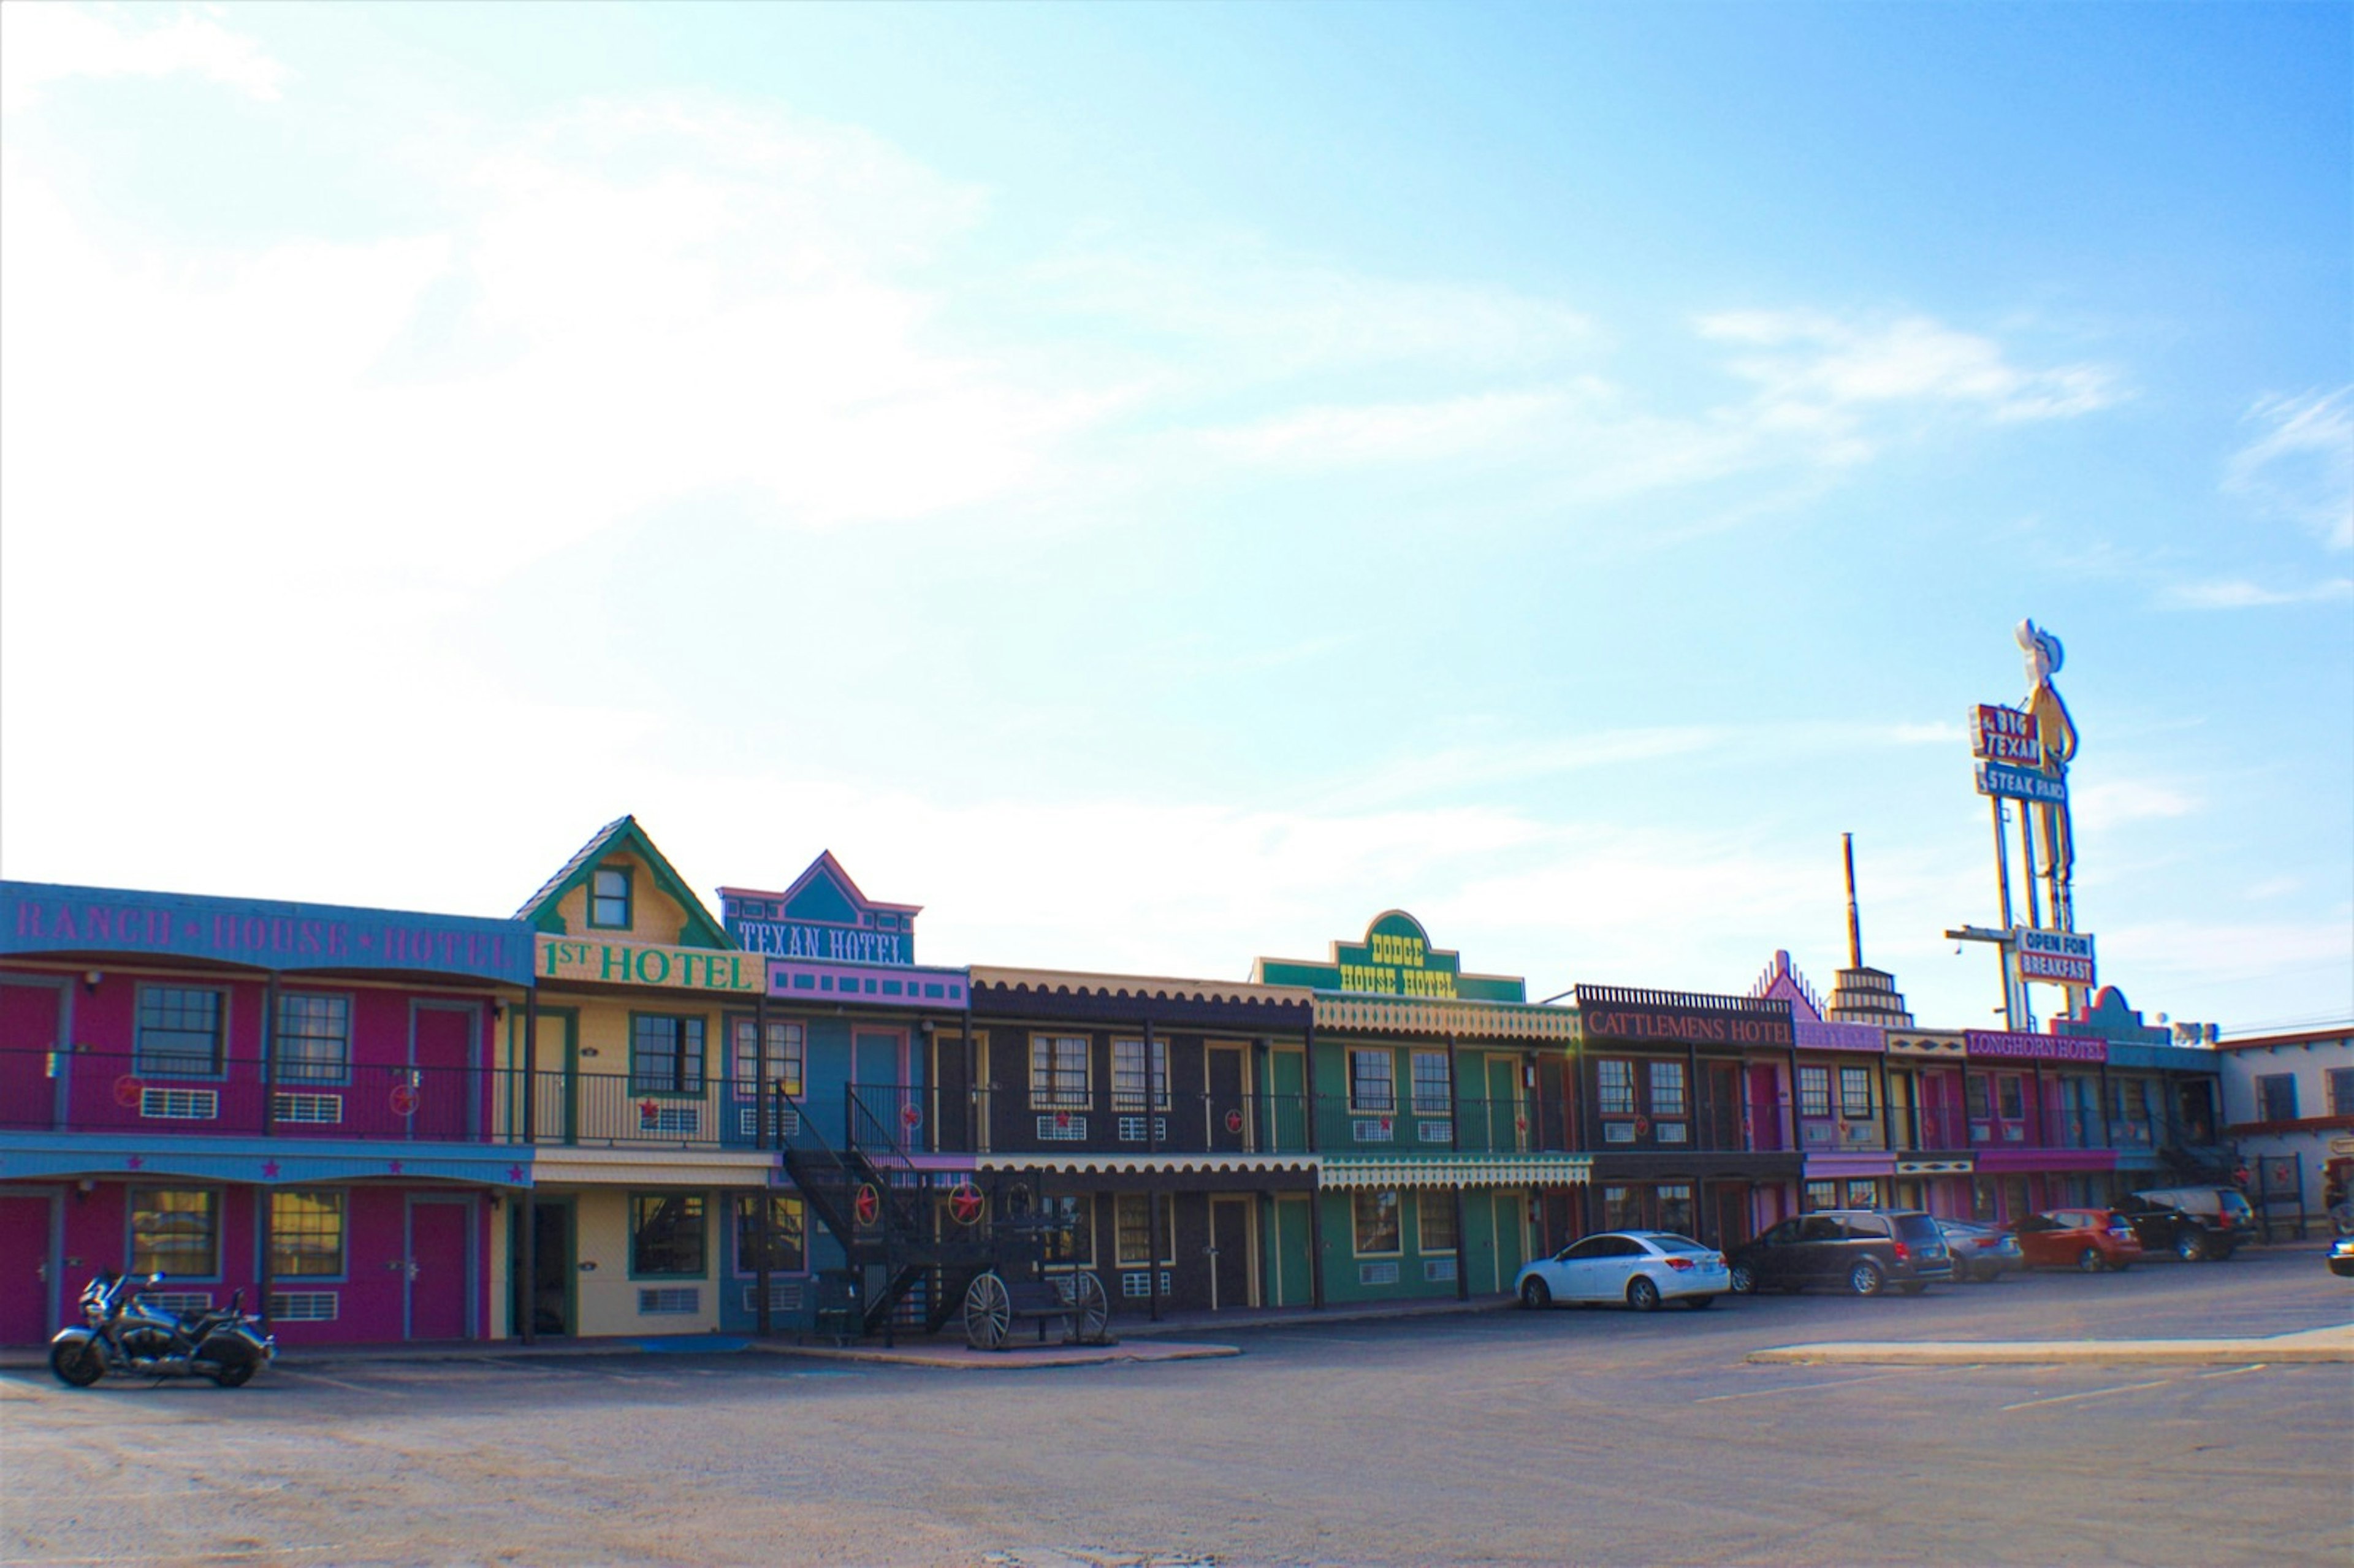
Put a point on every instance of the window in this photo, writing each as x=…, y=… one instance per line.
x=1058, y=1072
x=1433, y=1092
x=2133, y=1099
x=2276, y=1097
x=782, y=1069
x=1974, y=1096
x=1676, y=1210
x=1070, y=1228
x=2010, y=1095
x=665, y=1055
x=1128, y=1074
x=179, y=1032
x=1622, y=1209
x=1667, y=1088
x=1863, y=1194
x=2341, y=1091
x=609, y=899
x=1822, y=1195
x=1814, y=1091
x=1372, y=1081
x=1615, y=1086
x=175, y=1231
x=666, y=1233
x=1855, y=1093
x=1374, y=1217
x=1434, y=1219
x=1132, y=1217
x=315, y=1039
x=786, y=1251
x=306, y=1233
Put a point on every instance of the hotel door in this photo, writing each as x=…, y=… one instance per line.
x=1228, y=1080
x=28, y=1271
x=439, y=1267
x=30, y=1016
x=549, y=1292
x=1233, y=1274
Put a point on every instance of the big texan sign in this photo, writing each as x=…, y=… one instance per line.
x=1395, y=959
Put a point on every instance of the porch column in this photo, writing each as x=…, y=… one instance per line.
x=525, y=1290
x=761, y=1110
x=269, y=1124
x=764, y=1232
x=1151, y=1197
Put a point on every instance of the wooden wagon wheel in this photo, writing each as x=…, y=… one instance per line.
x=1090, y=1311
x=988, y=1312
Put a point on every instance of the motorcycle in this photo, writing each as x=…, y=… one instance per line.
x=120, y=1333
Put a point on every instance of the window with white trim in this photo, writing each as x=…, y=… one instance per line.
x=1814, y=1091
x=782, y=1069
x=1855, y=1093
x=1666, y=1089
x=1059, y=1078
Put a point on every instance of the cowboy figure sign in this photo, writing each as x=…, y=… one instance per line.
x=2047, y=824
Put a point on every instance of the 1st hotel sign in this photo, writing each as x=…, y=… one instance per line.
x=636, y=963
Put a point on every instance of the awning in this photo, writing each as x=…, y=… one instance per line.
x=1434, y=1018
x=1344, y=1173
x=274, y=1163
x=1172, y=1164
x=644, y=1168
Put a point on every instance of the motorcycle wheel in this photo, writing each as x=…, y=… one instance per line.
x=78, y=1364
x=236, y=1376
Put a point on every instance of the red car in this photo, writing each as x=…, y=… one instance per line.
x=2089, y=1239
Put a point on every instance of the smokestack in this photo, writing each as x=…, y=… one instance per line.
x=1854, y=923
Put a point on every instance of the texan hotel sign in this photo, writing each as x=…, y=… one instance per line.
x=1674, y=1017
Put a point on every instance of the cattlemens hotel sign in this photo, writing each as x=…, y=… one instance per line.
x=1615, y=1013
x=1395, y=959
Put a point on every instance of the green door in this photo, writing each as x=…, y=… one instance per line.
x=1479, y=1242
x=1503, y=1104
x=1511, y=1209
x=1288, y=1115
x=1295, y=1284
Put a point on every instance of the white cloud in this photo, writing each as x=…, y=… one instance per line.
x=40, y=44
x=2300, y=464
x=2238, y=593
x=2115, y=802
x=1818, y=367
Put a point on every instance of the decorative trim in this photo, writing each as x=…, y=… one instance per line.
x=1347, y=1173
x=1962, y=1167
x=1433, y=1018
x=1172, y=1164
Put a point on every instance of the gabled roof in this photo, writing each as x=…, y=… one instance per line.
x=825, y=865
x=623, y=833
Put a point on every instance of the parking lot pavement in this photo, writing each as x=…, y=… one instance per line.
x=1565, y=1436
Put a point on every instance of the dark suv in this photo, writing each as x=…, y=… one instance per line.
x=2160, y=1227
x=1859, y=1250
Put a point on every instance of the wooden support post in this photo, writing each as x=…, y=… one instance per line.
x=1151, y=1196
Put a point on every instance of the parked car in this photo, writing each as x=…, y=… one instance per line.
x=2089, y=1239
x=2220, y=1208
x=1861, y=1250
x=1979, y=1251
x=1642, y=1268
x=2162, y=1228
x=2341, y=1258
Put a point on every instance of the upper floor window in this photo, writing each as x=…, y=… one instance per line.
x=2276, y=1097
x=306, y=1232
x=1372, y=1081
x=665, y=1055
x=1129, y=1074
x=1667, y=1088
x=2341, y=1091
x=179, y=1032
x=782, y=1066
x=1433, y=1092
x=1058, y=1072
x=609, y=899
x=2010, y=1096
x=1814, y=1091
x=1855, y=1093
x=1976, y=1097
x=315, y=1039
x=1614, y=1080
x=175, y=1231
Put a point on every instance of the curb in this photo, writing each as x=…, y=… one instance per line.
x=2312, y=1346
x=957, y=1358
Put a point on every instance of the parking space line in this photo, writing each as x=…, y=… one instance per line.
x=337, y=1382
x=1807, y=1387
x=2234, y=1372
x=2090, y=1394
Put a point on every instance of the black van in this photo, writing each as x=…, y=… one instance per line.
x=1863, y=1251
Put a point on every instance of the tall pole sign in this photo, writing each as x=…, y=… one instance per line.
x=2023, y=753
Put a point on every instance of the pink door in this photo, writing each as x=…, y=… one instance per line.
x=28, y=1032
x=25, y=1283
x=437, y=1270
x=444, y=1038
x=1764, y=1108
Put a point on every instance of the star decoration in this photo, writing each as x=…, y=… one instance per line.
x=270, y=1170
x=396, y=1166
x=133, y=1163
x=514, y=1174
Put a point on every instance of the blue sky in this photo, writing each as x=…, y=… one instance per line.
x=1159, y=485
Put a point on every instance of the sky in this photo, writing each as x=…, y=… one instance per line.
x=1160, y=485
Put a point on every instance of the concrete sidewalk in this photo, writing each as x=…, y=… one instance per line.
x=2335, y=1344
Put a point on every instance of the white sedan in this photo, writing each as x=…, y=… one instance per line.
x=1642, y=1268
